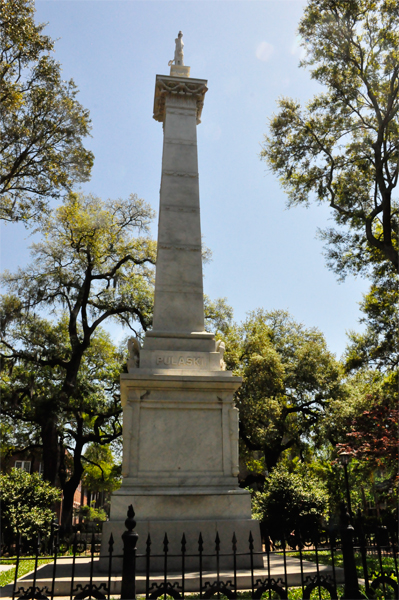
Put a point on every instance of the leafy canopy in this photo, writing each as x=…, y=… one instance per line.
x=343, y=147
x=101, y=471
x=60, y=370
x=291, y=501
x=39, y=414
x=367, y=427
x=26, y=504
x=42, y=125
x=89, y=264
x=378, y=345
x=289, y=377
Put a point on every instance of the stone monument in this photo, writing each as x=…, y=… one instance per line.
x=180, y=424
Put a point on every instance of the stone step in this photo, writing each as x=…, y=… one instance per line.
x=62, y=586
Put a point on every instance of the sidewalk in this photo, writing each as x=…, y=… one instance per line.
x=82, y=576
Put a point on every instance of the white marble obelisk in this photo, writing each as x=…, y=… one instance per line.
x=180, y=424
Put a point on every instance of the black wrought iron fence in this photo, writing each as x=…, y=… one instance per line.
x=344, y=562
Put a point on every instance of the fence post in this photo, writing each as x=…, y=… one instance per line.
x=351, y=586
x=363, y=548
x=129, y=537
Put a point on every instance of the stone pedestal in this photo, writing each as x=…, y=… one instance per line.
x=180, y=425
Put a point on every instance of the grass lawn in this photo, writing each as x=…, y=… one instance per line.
x=293, y=594
x=373, y=563
x=25, y=566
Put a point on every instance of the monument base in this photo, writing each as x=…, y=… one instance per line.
x=189, y=512
x=176, y=504
x=180, y=459
x=192, y=529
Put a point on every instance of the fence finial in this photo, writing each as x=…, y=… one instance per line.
x=130, y=522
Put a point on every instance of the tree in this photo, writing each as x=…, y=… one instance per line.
x=289, y=378
x=368, y=428
x=373, y=435
x=218, y=315
x=102, y=474
x=363, y=423
x=42, y=125
x=26, y=505
x=378, y=346
x=63, y=373
x=291, y=502
x=41, y=416
x=343, y=148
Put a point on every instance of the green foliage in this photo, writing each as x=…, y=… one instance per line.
x=41, y=122
x=92, y=515
x=363, y=424
x=374, y=563
x=378, y=346
x=31, y=392
x=27, y=504
x=101, y=472
x=289, y=501
x=343, y=148
x=218, y=315
x=25, y=567
x=61, y=371
x=289, y=377
x=93, y=261
x=371, y=434
x=40, y=414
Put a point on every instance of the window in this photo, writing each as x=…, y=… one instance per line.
x=23, y=464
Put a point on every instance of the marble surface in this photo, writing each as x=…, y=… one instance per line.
x=180, y=423
x=178, y=285
x=179, y=429
x=191, y=529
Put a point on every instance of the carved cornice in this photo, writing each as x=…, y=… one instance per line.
x=178, y=87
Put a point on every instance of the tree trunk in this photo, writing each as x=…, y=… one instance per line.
x=49, y=435
x=271, y=456
x=69, y=488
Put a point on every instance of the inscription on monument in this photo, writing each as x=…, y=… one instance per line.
x=180, y=361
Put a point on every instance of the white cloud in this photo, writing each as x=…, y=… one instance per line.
x=264, y=51
x=297, y=49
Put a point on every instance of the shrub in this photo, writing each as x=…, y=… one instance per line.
x=26, y=505
x=91, y=514
x=290, y=502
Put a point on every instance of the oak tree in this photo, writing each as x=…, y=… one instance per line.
x=343, y=147
x=60, y=370
x=377, y=347
x=289, y=378
x=42, y=125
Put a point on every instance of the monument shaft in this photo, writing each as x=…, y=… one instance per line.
x=179, y=266
x=180, y=424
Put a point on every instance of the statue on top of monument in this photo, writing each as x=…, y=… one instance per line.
x=179, y=54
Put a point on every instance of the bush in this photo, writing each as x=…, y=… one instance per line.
x=290, y=502
x=26, y=505
x=92, y=515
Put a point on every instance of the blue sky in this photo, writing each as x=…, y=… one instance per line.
x=263, y=254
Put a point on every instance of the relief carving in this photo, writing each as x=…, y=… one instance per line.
x=168, y=87
x=134, y=354
x=221, y=347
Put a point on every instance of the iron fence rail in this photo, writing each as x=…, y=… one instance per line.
x=286, y=568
